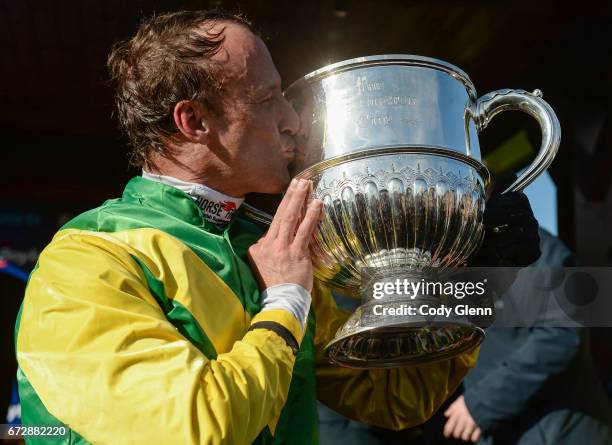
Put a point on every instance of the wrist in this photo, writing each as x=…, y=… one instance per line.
x=291, y=297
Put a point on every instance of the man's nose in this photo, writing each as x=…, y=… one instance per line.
x=290, y=121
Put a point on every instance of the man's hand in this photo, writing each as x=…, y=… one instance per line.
x=282, y=254
x=460, y=423
x=511, y=231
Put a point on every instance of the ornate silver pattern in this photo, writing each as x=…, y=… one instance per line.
x=397, y=211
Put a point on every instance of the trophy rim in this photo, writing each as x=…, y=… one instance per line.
x=384, y=60
x=321, y=166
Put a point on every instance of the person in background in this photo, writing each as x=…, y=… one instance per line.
x=533, y=385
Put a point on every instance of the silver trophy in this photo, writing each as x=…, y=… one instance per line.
x=391, y=145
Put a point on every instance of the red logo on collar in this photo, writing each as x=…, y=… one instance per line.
x=228, y=206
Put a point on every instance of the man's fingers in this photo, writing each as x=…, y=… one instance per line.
x=476, y=435
x=467, y=432
x=275, y=225
x=290, y=216
x=450, y=426
x=459, y=427
x=309, y=224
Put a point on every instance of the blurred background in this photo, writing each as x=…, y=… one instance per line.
x=62, y=153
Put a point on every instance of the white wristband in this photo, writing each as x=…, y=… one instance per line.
x=288, y=296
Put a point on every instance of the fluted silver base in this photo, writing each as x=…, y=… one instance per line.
x=370, y=342
x=384, y=333
x=403, y=345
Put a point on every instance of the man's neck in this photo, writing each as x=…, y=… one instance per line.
x=210, y=171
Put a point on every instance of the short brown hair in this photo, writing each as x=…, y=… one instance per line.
x=168, y=60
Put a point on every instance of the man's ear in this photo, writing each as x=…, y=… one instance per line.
x=189, y=119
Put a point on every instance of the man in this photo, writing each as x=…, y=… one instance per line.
x=144, y=323
x=533, y=385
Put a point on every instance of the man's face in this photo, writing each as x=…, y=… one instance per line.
x=256, y=126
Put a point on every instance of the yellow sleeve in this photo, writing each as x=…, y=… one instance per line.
x=103, y=359
x=395, y=398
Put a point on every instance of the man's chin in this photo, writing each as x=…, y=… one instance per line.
x=273, y=186
x=280, y=188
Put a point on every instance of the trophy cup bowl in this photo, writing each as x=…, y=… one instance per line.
x=391, y=145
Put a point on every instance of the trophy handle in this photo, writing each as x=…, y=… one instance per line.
x=489, y=105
